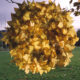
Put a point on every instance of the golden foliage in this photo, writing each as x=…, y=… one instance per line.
x=40, y=37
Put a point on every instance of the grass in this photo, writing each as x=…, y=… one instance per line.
x=9, y=71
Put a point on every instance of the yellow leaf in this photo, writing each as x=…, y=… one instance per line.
x=61, y=44
x=26, y=16
x=31, y=49
x=27, y=69
x=60, y=25
x=26, y=57
x=64, y=31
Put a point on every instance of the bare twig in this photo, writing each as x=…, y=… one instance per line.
x=77, y=4
x=27, y=0
x=33, y=0
x=71, y=1
x=11, y=1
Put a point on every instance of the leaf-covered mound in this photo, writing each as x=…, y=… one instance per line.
x=40, y=37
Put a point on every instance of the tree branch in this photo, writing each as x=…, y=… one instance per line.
x=11, y=1
x=77, y=4
x=71, y=1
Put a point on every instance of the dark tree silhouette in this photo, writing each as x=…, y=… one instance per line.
x=78, y=34
x=2, y=43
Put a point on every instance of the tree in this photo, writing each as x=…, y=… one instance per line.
x=40, y=36
x=78, y=34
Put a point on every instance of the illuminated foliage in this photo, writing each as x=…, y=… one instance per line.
x=40, y=37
